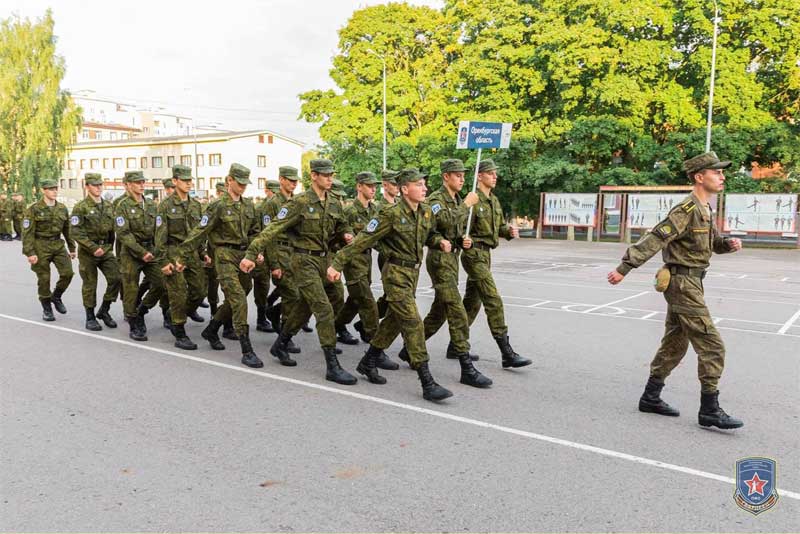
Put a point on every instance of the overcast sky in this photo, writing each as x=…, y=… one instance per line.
x=254, y=55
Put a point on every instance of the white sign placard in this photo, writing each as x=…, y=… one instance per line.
x=760, y=213
x=647, y=210
x=570, y=209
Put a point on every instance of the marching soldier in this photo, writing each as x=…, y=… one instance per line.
x=18, y=213
x=135, y=219
x=261, y=274
x=6, y=217
x=169, y=186
x=93, y=230
x=229, y=225
x=312, y=219
x=686, y=239
x=212, y=293
x=488, y=226
x=43, y=226
x=389, y=193
x=404, y=229
x=177, y=215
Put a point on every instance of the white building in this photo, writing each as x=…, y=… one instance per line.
x=107, y=120
x=210, y=155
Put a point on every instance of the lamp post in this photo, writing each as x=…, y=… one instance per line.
x=383, y=60
x=713, y=73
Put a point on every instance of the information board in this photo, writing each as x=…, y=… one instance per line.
x=570, y=209
x=760, y=213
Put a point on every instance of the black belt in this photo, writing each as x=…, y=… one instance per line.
x=318, y=253
x=233, y=247
x=283, y=243
x=688, y=271
x=403, y=263
x=481, y=246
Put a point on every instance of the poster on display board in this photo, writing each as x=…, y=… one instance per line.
x=774, y=213
x=570, y=209
x=647, y=210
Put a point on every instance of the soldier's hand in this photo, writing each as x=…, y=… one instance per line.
x=148, y=257
x=207, y=260
x=467, y=243
x=260, y=259
x=614, y=277
x=348, y=238
x=246, y=265
x=72, y=255
x=33, y=260
x=514, y=232
x=277, y=273
x=735, y=244
x=168, y=269
x=180, y=267
x=445, y=245
x=99, y=252
x=471, y=199
x=333, y=274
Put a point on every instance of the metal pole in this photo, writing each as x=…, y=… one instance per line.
x=384, y=112
x=713, y=73
x=474, y=186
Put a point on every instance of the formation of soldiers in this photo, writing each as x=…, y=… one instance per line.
x=178, y=253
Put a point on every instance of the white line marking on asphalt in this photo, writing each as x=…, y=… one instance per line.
x=427, y=411
x=542, y=303
x=789, y=323
x=542, y=269
x=615, y=302
x=649, y=315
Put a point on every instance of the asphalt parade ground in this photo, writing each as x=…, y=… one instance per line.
x=100, y=433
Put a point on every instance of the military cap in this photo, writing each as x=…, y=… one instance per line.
x=452, y=165
x=388, y=175
x=221, y=187
x=366, y=177
x=240, y=173
x=288, y=172
x=337, y=188
x=182, y=172
x=273, y=186
x=48, y=183
x=709, y=160
x=410, y=175
x=92, y=178
x=133, y=176
x=168, y=182
x=487, y=165
x=322, y=166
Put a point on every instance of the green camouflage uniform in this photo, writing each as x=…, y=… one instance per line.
x=93, y=228
x=42, y=229
x=187, y=289
x=6, y=216
x=261, y=273
x=310, y=224
x=18, y=212
x=212, y=292
x=687, y=237
x=280, y=258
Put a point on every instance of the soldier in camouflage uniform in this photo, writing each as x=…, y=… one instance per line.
x=93, y=230
x=312, y=219
x=178, y=214
x=43, y=226
x=404, y=230
x=6, y=217
x=261, y=274
x=389, y=193
x=488, y=226
x=212, y=292
x=335, y=289
x=18, y=212
x=229, y=225
x=169, y=186
x=135, y=220
x=686, y=239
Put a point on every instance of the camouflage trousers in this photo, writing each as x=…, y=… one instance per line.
x=52, y=252
x=212, y=291
x=287, y=288
x=383, y=306
x=261, y=278
x=88, y=265
x=235, y=284
x=688, y=321
x=130, y=269
x=402, y=316
x=18, y=226
x=481, y=290
x=361, y=301
x=6, y=224
x=313, y=288
x=447, y=304
x=187, y=289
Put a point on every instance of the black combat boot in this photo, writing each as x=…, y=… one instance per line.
x=211, y=334
x=453, y=355
x=307, y=328
x=91, y=321
x=279, y=350
x=290, y=347
x=367, y=366
x=386, y=363
x=182, y=341
x=136, y=332
x=103, y=315
x=58, y=304
x=712, y=415
x=510, y=358
x=262, y=323
x=194, y=316
x=344, y=336
x=403, y=355
x=273, y=315
x=167, y=319
x=141, y=311
x=249, y=357
x=334, y=372
x=228, y=331
x=430, y=389
x=471, y=376
x=359, y=326
x=650, y=401
x=47, y=310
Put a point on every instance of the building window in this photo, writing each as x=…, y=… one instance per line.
x=186, y=160
x=212, y=182
x=170, y=161
x=201, y=160
x=261, y=139
x=215, y=160
x=262, y=183
x=117, y=163
x=201, y=184
x=71, y=165
x=63, y=183
x=94, y=163
x=73, y=183
x=83, y=164
x=143, y=163
x=123, y=136
x=262, y=161
x=105, y=163
x=146, y=129
x=113, y=136
x=157, y=162
x=269, y=139
x=130, y=163
x=84, y=135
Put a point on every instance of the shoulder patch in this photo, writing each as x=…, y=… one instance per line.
x=120, y=221
x=266, y=220
x=664, y=230
x=74, y=220
x=204, y=221
x=158, y=221
x=26, y=223
x=282, y=214
x=373, y=224
x=435, y=208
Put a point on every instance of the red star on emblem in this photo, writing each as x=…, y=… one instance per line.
x=755, y=485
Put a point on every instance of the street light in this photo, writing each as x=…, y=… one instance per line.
x=713, y=73
x=383, y=59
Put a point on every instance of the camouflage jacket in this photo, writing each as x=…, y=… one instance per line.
x=43, y=222
x=174, y=220
x=449, y=215
x=358, y=216
x=488, y=224
x=136, y=225
x=226, y=223
x=93, y=225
